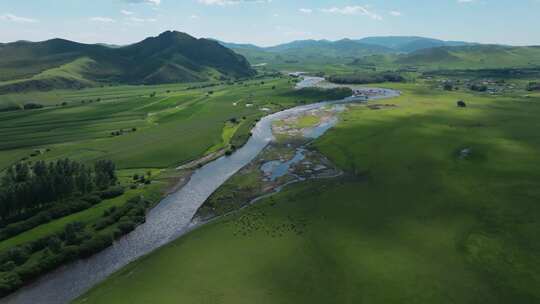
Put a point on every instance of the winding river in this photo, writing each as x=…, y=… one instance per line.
x=170, y=219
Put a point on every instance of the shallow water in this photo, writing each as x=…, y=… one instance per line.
x=276, y=169
x=170, y=219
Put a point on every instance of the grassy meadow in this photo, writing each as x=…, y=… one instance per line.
x=146, y=131
x=414, y=220
x=161, y=126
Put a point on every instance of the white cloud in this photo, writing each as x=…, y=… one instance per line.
x=306, y=10
x=466, y=1
x=395, y=13
x=127, y=13
x=140, y=20
x=17, y=19
x=102, y=19
x=230, y=2
x=352, y=10
x=152, y=2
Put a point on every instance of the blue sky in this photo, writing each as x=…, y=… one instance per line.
x=269, y=22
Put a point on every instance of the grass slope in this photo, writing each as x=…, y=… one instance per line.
x=168, y=58
x=412, y=222
x=473, y=57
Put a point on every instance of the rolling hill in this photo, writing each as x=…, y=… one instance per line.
x=168, y=58
x=391, y=53
x=324, y=49
x=409, y=44
x=472, y=57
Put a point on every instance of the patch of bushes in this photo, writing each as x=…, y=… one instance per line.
x=112, y=192
x=32, y=106
x=58, y=210
x=366, y=78
x=533, y=86
x=74, y=242
x=479, y=87
x=318, y=94
x=130, y=214
x=11, y=108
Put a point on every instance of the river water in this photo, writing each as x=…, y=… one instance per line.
x=170, y=219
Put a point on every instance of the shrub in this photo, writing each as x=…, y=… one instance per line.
x=7, y=266
x=112, y=192
x=21, y=226
x=103, y=223
x=18, y=255
x=95, y=244
x=9, y=282
x=10, y=108
x=92, y=199
x=533, y=86
x=31, y=106
x=126, y=226
x=366, y=78
x=448, y=86
x=479, y=88
x=73, y=233
x=54, y=244
x=29, y=271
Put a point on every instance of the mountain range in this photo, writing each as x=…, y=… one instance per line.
x=364, y=46
x=167, y=58
x=391, y=52
x=174, y=57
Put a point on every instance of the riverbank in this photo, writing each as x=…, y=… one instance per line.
x=168, y=220
x=288, y=159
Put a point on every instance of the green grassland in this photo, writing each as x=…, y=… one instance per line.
x=431, y=59
x=147, y=131
x=412, y=221
x=174, y=126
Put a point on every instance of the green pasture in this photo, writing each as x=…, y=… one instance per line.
x=414, y=220
x=166, y=129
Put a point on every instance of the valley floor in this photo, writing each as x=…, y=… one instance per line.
x=147, y=132
x=414, y=219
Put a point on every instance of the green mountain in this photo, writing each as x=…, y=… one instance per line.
x=307, y=52
x=391, y=53
x=409, y=44
x=326, y=51
x=168, y=58
x=325, y=48
x=472, y=57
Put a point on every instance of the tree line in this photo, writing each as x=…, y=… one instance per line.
x=366, y=78
x=25, y=188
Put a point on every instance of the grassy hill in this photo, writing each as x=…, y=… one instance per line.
x=409, y=44
x=171, y=57
x=471, y=57
x=388, y=53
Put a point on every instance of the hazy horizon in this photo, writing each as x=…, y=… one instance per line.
x=271, y=22
x=257, y=45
